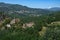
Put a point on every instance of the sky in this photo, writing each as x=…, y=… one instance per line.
x=35, y=3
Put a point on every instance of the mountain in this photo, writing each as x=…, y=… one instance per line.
x=55, y=9
x=15, y=8
x=20, y=10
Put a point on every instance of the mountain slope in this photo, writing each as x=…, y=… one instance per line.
x=11, y=8
x=55, y=9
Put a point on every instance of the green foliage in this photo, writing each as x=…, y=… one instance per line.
x=16, y=32
x=25, y=34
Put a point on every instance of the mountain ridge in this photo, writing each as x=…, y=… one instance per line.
x=55, y=8
x=20, y=9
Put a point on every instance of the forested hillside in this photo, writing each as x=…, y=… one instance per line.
x=19, y=22
x=45, y=27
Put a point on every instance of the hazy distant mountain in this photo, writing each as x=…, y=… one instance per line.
x=55, y=9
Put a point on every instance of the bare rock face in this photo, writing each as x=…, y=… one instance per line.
x=8, y=25
x=12, y=22
x=16, y=20
x=30, y=24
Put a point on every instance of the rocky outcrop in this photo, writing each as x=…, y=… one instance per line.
x=16, y=20
x=30, y=24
